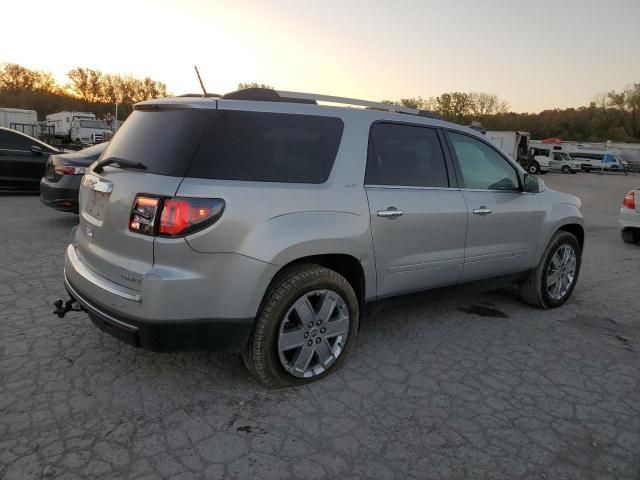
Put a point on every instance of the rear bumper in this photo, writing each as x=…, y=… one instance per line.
x=61, y=195
x=210, y=334
x=629, y=218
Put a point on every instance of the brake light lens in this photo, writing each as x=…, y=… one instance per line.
x=68, y=170
x=629, y=201
x=172, y=217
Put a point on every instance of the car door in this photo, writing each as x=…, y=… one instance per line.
x=21, y=166
x=418, y=216
x=504, y=223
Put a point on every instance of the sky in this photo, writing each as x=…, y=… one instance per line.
x=533, y=54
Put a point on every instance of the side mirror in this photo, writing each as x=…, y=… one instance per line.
x=36, y=149
x=533, y=184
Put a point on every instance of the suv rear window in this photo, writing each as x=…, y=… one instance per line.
x=163, y=140
x=267, y=147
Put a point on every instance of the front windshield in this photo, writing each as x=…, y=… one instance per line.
x=93, y=124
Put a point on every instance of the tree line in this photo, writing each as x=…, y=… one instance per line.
x=87, y=89
x=611, y=116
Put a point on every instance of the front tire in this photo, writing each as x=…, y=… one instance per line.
x=566, y=169
x=306, y=326
x=551, y=283
x=533, y=168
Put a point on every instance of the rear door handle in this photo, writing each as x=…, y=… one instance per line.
x=390, y=212
x=482, y=211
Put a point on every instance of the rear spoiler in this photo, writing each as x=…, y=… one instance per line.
x=177, y=103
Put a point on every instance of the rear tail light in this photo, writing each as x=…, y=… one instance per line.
x=173, y=217
x=68, y=170
x=629, y=201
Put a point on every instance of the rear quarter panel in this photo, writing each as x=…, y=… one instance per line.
x=279, y=223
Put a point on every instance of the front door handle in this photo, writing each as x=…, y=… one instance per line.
x=482, y=211
x=390, y=212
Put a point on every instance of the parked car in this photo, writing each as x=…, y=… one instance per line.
x=599, y=160
x=61, y=182
x=264, y=223
x=630, y=217
x=558, y=162
x=22, y=160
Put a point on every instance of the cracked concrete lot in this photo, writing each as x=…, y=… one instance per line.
x=469, y=386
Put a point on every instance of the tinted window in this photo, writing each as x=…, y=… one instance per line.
x=14, y=141
x=268, y=147
x=405, y=155
x=163, y=140
x=539, y=151
x=586, y=156
x=482, y=167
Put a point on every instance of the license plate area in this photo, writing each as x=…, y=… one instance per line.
x=97, y=204
x=97, y=199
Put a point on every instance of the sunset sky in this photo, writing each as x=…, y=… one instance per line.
x=533, y=54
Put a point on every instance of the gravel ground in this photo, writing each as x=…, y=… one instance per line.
x=472, y=386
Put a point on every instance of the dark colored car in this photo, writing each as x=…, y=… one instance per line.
x=61, y=182
x=22, y=160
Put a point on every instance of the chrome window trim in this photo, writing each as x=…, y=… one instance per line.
x=410, y=187
x=487, y=190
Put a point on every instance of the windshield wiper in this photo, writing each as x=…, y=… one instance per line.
x=120, y=162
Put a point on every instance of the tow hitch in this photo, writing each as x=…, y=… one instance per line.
x=63, y=307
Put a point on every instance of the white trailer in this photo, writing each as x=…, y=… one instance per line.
x=17, y=116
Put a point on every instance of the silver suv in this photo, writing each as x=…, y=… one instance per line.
x=264, y=223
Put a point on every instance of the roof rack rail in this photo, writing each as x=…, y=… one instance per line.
x=269, y=95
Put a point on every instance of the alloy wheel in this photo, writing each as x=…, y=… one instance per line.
x=313, y=333
x=561, y=272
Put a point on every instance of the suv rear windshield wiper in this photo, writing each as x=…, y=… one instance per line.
x=120, y=162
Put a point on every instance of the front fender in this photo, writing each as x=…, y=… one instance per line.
x=558, y=216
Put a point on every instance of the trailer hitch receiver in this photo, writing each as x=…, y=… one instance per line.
x=63, y=307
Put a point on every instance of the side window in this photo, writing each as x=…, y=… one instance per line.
x=4, y=140
x=405, y=155
x=14, y=141
x=266, y=147
x=481, y=166
x=557, y=156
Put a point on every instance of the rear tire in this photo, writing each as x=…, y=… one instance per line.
x=539, y=289
x=533, y=168
x=263, y=355
x=630, y=235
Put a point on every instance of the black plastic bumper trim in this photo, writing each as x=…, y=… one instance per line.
x=209, y=334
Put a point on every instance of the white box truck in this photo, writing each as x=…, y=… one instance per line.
x=516, y=145
x=81, y=128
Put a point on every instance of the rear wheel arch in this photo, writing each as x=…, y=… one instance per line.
x=346, y=265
